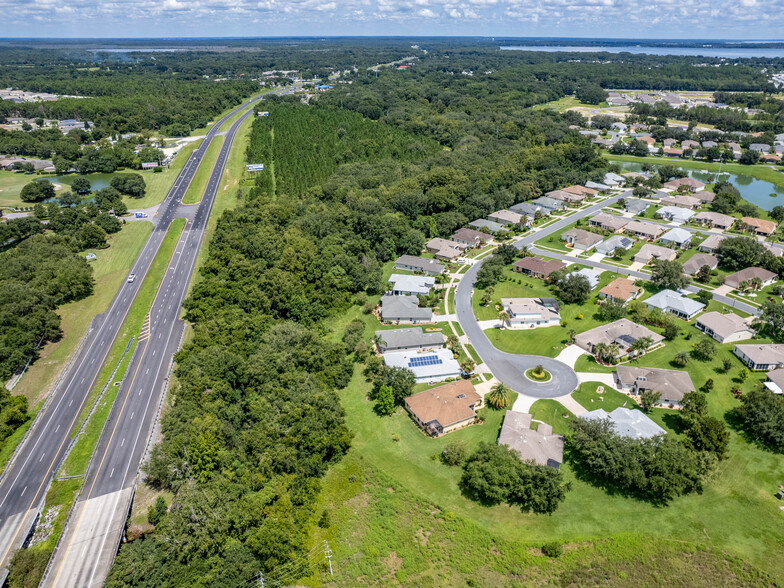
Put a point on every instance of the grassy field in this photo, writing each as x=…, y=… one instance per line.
x=202, y=175
x=11, y=183
x=109, y=269
x=587, y=396
x=564, y=104
x=759, y=171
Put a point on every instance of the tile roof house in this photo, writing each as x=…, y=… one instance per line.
x=692, y=184
x=404, y=309
x=622, y=332
x=505, y=217
x=427, y=366
x=580, y=239
x=704, y=196
x=675, y=214
x=675, y=303
x=760, y=226
x=636, y=205
x=672, y=152
x=470, y=238
x=644, y=230
x=581, y=191
x=692, y=265
x=564, y=196
x=608, y=246
x=711, y=244
x=682, y=200
x=716, y=220
x=536, y=267
x=540, y=446
x=408, y=339
x=649, y=140
x=689, y=144
x=631, y=423
x=748, y=274
x=445, y=408
x=775, y=381
x=725, y=327
x=763, y=357
x=491, y=226
x=437, y=244
x=531, y=313
x=419, y=264
x=620, y=289
x=672, y=385
x=608, y=222
x=676, y=237
x=406, y=285
x=649, y=252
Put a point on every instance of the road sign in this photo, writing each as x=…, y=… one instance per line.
x=255, y=167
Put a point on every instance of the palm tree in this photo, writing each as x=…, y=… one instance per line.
x=613, y=350
x=451, y=341
x=599, y=350
x=503, y=316
x=499, y=396
x=756, y=283
x=467, y=365
x=681, y=358
x=641, y=345
x=572, y=335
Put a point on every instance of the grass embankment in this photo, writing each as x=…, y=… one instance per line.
x=591, y=521
x=63, y=492
x=202, y=176
x=760, y=171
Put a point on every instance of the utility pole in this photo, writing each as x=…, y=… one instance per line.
x=328, y=555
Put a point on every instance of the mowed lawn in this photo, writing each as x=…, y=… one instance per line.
x=109, y=270
x=737, y=511
x=11, y=184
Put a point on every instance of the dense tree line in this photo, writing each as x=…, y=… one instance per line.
x=762, y=415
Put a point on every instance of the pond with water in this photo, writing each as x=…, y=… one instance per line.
x=97, y=181
x=759, y=192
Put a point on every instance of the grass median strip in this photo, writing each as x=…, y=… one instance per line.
x=202, y=175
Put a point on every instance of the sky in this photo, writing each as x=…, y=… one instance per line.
x=660, y=19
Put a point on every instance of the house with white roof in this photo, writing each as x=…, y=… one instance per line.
x=676, y=238
x=675, y=303
x=428, y=366
x=608, y=246
x=531, y=313
x=407, y=285
x=675, y=214
x=631, y=423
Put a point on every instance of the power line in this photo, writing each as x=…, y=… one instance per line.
x=295, y=569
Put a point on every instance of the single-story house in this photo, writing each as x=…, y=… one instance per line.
x=582, y=191
x=748, y=274
x=590, y=274
x=692, y=265
x=676, y=237
x=689, y=144
x=669, y=142
x=564, y=196
x=427, y=366
x=672, y=152
x=531, y=313
x=445, y=408
x=491, y=226
x=410, y=339
x=649, y=252
x=580, y=239
x=536, y=267
x=622, y=332
x=404, y=309
x=716, y=220
x=644, y=230
x=769, y=356
x=709, y=144
x=407, y=285
x=549, y=204
x=692, y=184
x=672, y=385
x=438, y=244
x=626, y=422
x=711, y=244
x=528, y=209
x=608, y=222
x=613, y=180
x=636, y=205
x=620, y=289
x=775, y=381
x=506, y=217
x=760, y=226
x=725, y=327
x=675, y=214
x=608, y=246
x=675, y=303
x=683, y=201
x=774, y=248
x=704, y=196
x=419, y=264
x=770, y=158
x=470, y=237
x=760, y=147
x=647, y=139
x=540, y=446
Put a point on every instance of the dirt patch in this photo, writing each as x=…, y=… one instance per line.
x=136, y=531
x=393, y=562
x=422, y=536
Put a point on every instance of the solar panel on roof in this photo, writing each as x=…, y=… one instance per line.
x=423, y=360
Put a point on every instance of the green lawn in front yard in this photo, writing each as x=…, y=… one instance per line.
x=587, y=396
x=512, y=285
x=553, y=413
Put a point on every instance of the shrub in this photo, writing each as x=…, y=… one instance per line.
x=552, y=549
x=454, y=453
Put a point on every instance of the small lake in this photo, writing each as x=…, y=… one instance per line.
x=707, y=51
x=758, y=192
x=97, y=181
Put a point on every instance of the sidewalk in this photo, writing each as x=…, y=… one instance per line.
x=570, y=355
x=606, y=379
x=571, y=405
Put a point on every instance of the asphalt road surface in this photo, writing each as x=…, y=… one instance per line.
x=26, y=480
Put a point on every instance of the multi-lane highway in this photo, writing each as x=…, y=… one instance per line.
x=26, y=479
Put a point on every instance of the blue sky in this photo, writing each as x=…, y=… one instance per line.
x=685, y=19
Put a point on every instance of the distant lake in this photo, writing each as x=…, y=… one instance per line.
x=758, y=192
x=97, y=181
x=727, y=52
